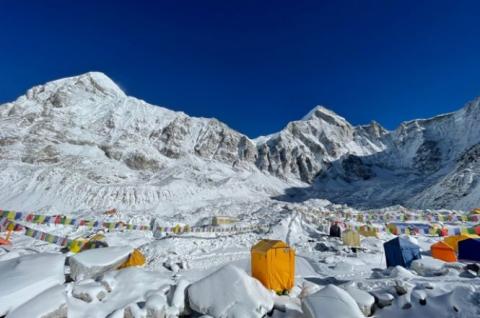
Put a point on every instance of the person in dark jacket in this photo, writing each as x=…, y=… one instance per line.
x=335, y=230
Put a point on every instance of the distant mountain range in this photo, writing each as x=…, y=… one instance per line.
x=81, y=143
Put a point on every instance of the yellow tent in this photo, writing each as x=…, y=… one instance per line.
x=454, y=239
x=368, y=231
x=273, y=264
x=135, y=259
x=97, y=237
x=219, y=220
x=351, y=238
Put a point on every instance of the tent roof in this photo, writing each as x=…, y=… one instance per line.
x=462, y=236
x=265, y=245
x=470, y=241
x=368, y=226
x=442, y=245
x=402, y=242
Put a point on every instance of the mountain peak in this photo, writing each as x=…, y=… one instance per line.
x=318, y=110
x=327, y=115
x=101, y=81
x=472, y=106
x=93, y=80
x=89, y=83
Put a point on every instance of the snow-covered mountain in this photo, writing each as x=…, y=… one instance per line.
x=432, y=163
x=81, y=143
x=427, y=163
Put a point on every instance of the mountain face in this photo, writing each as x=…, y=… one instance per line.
x=81, y=143
x=306, y=148
x=429, y=163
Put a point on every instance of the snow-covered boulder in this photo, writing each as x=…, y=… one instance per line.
x=25, y=277
x=50, y=303
x=428, y=266
x=461, y=301
x=383, y=299
x=156, y=305
x=125, y=288
x=89, y=290
x=309, y=288
x=419, y=295
x=287, y=306
x=400, y=272
x=178, y=298
x=344, y=267
x=230, y=292
x=331, y=301
x=403, y=287
x=94, y=262
x=363, y=299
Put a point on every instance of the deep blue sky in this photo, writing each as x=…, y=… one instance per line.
x=254, y=64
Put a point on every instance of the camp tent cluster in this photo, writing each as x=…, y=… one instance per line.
x=398, y=228
x=368, y=231
x=351, y=237
x=457, y=247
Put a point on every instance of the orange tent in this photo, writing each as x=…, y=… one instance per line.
x=4, y=241
x=273, y=264
x=443, y=251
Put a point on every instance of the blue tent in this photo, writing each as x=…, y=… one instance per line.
x=401, y=251
x=469, y=249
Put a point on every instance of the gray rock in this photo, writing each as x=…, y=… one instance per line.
x=363, y=299
x=382, y=299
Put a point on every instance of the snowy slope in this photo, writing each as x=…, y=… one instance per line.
x=429, y=163
x=81, y=144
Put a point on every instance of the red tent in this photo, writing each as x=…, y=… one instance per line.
x=444, y=232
